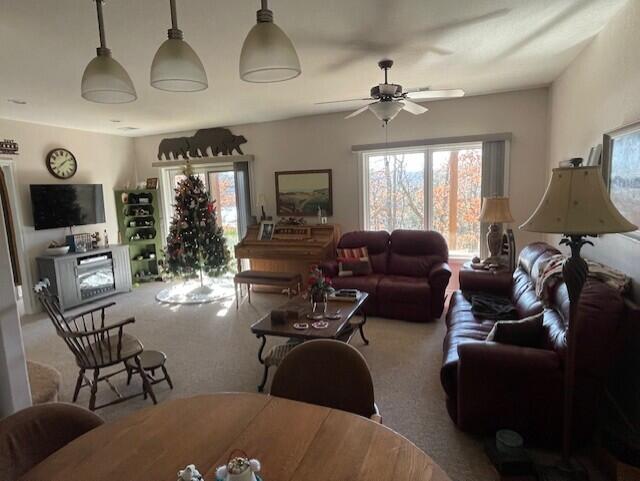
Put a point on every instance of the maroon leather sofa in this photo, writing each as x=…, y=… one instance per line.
x=410, y=273
x=490, y=386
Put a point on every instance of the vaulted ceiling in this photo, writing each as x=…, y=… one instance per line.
x=482, y=46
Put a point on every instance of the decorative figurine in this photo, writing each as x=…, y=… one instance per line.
x=190, y=473
x=239, y=468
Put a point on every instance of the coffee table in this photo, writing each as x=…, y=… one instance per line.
x=340, y=329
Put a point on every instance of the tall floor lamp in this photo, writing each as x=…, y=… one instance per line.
x=576, y=205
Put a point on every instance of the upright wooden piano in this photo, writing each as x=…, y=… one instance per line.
x=292, y=249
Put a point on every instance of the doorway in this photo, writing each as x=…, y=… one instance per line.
x=12, y=218
x=220, y=182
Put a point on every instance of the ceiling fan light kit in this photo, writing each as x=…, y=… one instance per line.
x=268, y=55
x=176, y=67
x=387, y=110
x=104, y=80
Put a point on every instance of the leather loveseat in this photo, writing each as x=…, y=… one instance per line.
x=490, y=386
x=409, y=273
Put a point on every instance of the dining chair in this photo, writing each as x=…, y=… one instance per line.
x=35, y=433
x=329, y=373
x=95, y=345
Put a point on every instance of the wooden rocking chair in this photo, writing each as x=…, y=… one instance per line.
x=95, y=346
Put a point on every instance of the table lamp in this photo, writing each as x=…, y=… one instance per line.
x=495, y=211
x=576, y=205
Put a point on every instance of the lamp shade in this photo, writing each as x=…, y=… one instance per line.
x=386, y=110
x=177, y=68
x=576, y=202
x=495, y=210
x=105, y=81
x=268, y=55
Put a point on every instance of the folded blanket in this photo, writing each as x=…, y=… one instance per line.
x=550, y=273
x=487, y=306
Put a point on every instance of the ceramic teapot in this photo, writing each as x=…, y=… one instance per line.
x=239, y=468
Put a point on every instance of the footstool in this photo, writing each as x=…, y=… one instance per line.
x=291, y=281
x=150, y=361
x=275, y=356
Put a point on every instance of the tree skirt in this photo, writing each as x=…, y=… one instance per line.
x=191, y=292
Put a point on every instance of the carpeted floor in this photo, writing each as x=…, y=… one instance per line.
x=210, y=349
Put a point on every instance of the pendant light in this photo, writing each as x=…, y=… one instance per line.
x=176, y=67
x=105, y=81
x=267, y=53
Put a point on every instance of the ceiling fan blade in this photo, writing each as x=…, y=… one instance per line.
x=419, y=94
x=340, y=101
x=358, y=112
x=415, y=109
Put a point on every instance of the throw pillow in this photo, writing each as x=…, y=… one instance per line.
x=525, y=332
x=354, y=262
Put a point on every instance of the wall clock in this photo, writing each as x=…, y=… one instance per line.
x=61, y=163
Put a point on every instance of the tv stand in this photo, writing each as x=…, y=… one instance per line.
x=81, y=277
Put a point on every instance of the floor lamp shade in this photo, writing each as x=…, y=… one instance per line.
x=268, y=55
x=105, y=81
x=177, y=68
x=576, y=202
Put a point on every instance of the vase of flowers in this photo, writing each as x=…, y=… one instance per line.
x=319, y=289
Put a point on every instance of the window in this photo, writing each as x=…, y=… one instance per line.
x=435, y=188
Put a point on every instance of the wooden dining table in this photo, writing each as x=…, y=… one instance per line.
x=293, y=441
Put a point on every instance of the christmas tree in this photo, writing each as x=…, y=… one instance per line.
x=195, y=244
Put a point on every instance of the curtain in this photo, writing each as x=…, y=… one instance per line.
x=493, y=173
x=243, y=197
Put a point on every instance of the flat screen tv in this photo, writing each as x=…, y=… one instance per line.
x=65, y=205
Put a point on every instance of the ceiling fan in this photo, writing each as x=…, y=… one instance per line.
x=390, y=99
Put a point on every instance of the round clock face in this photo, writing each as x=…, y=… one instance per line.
x=61, y=163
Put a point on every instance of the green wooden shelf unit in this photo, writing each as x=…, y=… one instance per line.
x=139, y=227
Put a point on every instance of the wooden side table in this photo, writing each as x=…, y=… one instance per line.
x=496, y=281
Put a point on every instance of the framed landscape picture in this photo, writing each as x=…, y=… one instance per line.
x=621, y=171
x=301, y=192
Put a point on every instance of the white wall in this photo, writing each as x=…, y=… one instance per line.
x=102, y=159
x=597, y=93
x=324, y=141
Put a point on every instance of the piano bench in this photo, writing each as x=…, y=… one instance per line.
x=287, y=280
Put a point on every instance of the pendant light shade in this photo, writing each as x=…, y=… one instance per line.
x=268, y=55
x=176, y=67
x=104, y=80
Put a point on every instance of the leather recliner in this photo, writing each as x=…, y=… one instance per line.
x=410, y=273
x=490, y=386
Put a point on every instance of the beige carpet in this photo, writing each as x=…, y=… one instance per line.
x=210, y=349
